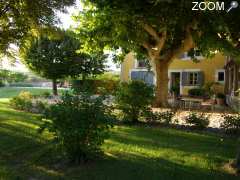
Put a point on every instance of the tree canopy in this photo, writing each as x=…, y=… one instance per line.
x=19, y=18
x=58, y=57
x=160, y=30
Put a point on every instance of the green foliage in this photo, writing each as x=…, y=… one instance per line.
x=80, y=124
x=165, y=117
x=46, y=94
x=139, y=25
x=2, y=83
x=56, y=58
x=199, y=121
x=231, y=124
x=95, y=86
x=21, y=84
x=133, y=99
x=220, y=96
x=12, y=77
x=23, y=101
x=20, y=19
x=198, y=92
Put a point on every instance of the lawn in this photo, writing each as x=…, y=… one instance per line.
x=130, y=153
x=8, y=92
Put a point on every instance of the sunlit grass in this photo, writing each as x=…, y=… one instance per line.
x=130, y=153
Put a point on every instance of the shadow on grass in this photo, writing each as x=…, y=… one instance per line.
x=188, y=142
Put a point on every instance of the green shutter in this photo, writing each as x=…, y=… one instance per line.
x=200, y=78
x=185, y=81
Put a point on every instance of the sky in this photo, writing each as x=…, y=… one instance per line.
x=66, y=22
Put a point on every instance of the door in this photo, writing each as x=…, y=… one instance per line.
x=175, y=83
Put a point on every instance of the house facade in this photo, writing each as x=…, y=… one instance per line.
x=183, y=73
x=232, y=83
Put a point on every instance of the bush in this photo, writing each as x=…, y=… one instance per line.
x=95, y=86
x=163, y=117
x=39, y=107
x=198, y=92
x=199, y=121
x=220, y=95
x=46, y=94
x=231, y=124
x=80, y=124
x=133, y=99
x=23, y=101
x=2, y=84
x=20, y=85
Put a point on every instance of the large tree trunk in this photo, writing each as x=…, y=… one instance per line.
x=54, y=87
x=162, y=83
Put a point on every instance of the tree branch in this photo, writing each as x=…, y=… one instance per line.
x=151, y=31
x=160, y=39
x=186, y=45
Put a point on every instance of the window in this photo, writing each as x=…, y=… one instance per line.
x=141, y=63
x=187, y=56
x=193, y=78
x=220, y=76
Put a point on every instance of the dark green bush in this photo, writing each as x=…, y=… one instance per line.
x=165, y=117
x=39, y=107
x=199, y=121
x=23, y=101
x=46, y=94
x=80, y=124
x=1, y=83
x=231, y=124
x=133, y=99
x=221, y=96
x=95, y=86
x=20, y=84
x=197, y=92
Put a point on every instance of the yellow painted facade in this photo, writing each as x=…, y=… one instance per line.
x=209, y=67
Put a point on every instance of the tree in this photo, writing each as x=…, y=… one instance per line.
x=57, y=57
x=160, y=30
x=20, y=18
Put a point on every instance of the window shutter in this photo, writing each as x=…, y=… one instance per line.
x=185, y=79
x=145, y=76
x=200, y=78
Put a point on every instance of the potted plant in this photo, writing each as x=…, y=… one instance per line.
x=220, y=98
x=174, y=91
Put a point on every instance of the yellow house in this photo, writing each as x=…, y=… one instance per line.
x=183, y=73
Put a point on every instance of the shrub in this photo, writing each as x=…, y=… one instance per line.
x=46, y=94
x=39, y=107
x=231, y=124
x=133, y=99
x=220, y=95
x=165, y=117
x=21, y=84
x=200, y=121
x=198, y=92
x=1, y=83
x=23, y=101
x=80, y=124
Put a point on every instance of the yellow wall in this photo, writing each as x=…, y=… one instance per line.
x=208, y=66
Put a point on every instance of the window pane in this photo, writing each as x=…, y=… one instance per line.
x=220, y=76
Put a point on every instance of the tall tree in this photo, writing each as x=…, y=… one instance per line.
x=19, y=18
x=160, y=30
x=57, y=57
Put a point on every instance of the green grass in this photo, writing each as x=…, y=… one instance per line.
x=145, y=153
x=9, y=92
